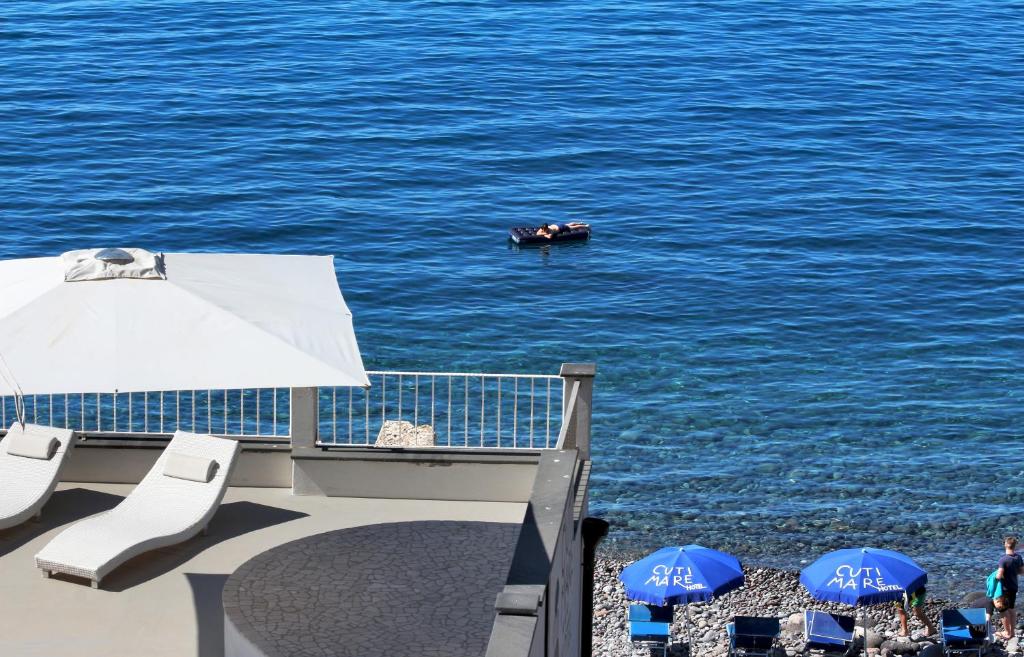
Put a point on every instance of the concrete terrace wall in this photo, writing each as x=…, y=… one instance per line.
x=127, y=462
x=539, y=613
x=414, y=474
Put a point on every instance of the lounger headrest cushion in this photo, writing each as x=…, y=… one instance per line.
x=32, y=445
x=192, y=468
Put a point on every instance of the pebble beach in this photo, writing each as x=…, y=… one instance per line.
x=767, y=592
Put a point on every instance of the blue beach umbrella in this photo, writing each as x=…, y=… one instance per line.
x=862, y=576
x=680, y=575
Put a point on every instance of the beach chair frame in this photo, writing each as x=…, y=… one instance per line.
x=827, y=642
x=28, y=483
x=160, y=511
x=753, y=636
x=651, y=626
x=957, y=629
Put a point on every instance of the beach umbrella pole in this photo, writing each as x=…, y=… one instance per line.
x=863, y=632
x=689, y=639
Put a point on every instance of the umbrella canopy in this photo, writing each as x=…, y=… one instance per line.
x=862, y=576
x=131, y=321
x=679, y=575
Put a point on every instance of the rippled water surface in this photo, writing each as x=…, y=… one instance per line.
x=804, y=289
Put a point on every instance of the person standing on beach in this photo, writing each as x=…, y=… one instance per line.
x=1010, y=565
x=913, y=603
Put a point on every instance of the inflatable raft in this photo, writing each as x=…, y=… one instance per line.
x=526, y=235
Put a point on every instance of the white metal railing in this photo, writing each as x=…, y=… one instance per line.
x=253, y=413
x=464, y=409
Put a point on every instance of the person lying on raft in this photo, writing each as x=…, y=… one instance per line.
x=550, y=230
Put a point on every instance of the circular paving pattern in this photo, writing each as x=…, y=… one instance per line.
x=412, y=588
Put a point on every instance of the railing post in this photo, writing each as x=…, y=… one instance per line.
x=583, y=373
x=304, y=416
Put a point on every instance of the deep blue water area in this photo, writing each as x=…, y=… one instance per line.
x=804, y=290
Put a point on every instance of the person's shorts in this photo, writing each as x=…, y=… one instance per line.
x=1011, y=598
x=909, y=602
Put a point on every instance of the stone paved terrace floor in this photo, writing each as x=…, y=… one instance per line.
x=168, y=602
x=423, y=588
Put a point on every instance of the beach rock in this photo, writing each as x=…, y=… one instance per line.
x=931, y=650
x=904, y=646
x=974, y=599
x=874, y=639
x=795, y=623
x=402, y=433
x=1013, y=645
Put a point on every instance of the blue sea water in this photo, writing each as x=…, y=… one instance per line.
x=804, y=289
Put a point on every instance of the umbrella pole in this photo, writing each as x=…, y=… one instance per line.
x=19, y=408
x=863, y=630
x=689, y=639
x=19, y=396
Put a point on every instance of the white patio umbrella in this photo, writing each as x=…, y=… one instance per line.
x=127, y=320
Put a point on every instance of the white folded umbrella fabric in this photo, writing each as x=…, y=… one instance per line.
x=103, y=264
x=134, y=321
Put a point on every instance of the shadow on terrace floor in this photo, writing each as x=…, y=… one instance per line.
x=207, y=590
x=63, y=507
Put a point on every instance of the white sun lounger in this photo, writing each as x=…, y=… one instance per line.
x=27, y=483
x=162, y=510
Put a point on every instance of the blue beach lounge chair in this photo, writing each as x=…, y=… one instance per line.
x=831, y=634
x=650, y=626
x=752, y=635
x=965, y=632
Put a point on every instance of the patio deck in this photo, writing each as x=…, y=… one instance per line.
x=168, y=602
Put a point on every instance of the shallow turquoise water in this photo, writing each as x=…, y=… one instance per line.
x=803, y=292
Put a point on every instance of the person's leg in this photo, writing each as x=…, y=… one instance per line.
x=1010, y=615
x=921, y=616
x=904, y=631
